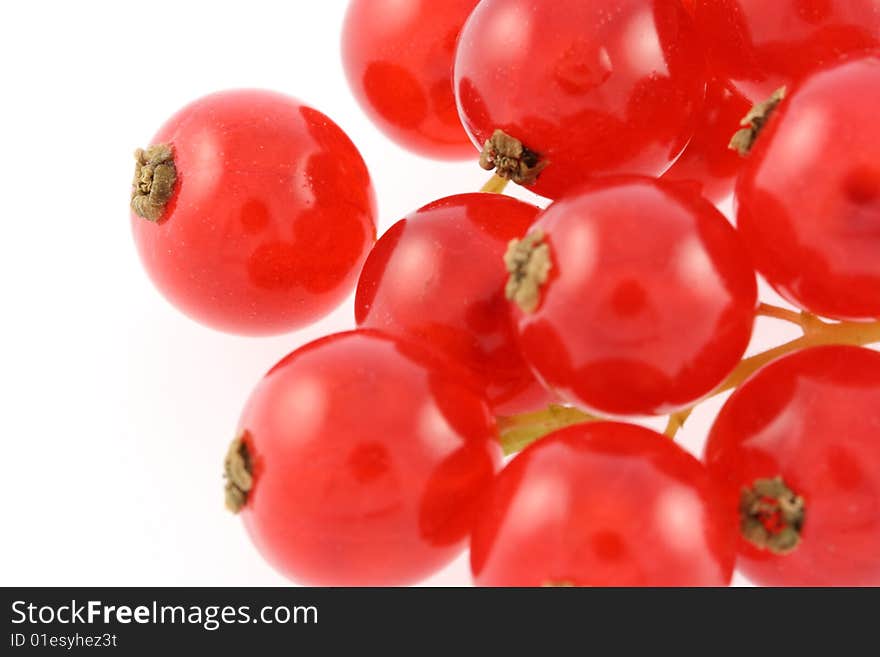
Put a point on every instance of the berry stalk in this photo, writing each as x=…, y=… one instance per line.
x=495, y=185
x=519, y=431
x=783, y=314
x=816, y=333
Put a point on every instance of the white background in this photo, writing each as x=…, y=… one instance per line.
x=116, y=409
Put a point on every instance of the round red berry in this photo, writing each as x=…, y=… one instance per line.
x=585, y=88
x=603, y=504
x=809, y=194
x=708, y=161
x=398, y=57
x=633, y=297
x=252, y=213
x=360, y=460
x=760, y=46
x=797, y=450
x=437, y=277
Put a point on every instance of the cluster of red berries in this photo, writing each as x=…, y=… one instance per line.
x=375, y=456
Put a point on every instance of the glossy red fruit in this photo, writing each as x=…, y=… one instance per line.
x=591, y=87
x=368, y=455
x=437, y=277
x=271, y=216
x=760, y=46
x=809, y=195
x=398, y=58
x=603, y=504
x=811, y=419
x=708, y=159
x=649, y=302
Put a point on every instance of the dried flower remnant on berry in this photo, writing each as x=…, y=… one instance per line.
x=510, y=159
x=754, y=123
x=154, y=178
x=237, y=473
x=772, y=515
x=528, y=263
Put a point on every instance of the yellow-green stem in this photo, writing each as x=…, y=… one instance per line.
x=784, y=314
x=495, y=185
x=676, y=422
x=518, y=431
x=819, y=333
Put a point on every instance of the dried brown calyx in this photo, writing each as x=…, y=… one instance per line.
x=510, y=159
x=772, y=515
x=154, y=178
x=528, y=263
x=753, y=123
x=237, y=471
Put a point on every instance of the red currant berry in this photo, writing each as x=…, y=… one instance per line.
x=603, y=504
x=435, y=276
x=360, y=462
x=398, y=58
x=797, y=448
x=584, y=87
x=634, y=296
x=708, y=159
x=252, y=212
x=760, y=46
x=809, y=194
